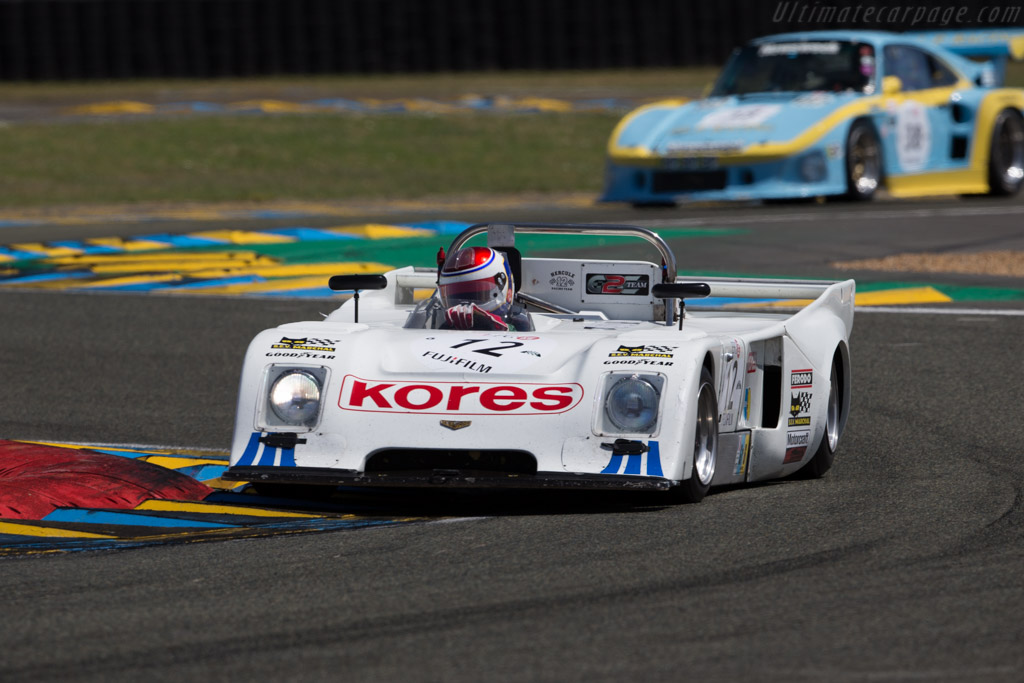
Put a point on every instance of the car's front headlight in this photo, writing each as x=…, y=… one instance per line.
x=813, y=167
x=293, y=396
x=631, y=404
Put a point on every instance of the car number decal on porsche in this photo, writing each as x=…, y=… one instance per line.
x=483, y=353
x=913, y=136
x=457, y=398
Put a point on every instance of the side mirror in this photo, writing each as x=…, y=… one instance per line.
x=681, y=291
x=343, y=283
x=891, y=85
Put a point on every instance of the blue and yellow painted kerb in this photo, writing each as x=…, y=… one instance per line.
x=298, y=261
x=231, y=512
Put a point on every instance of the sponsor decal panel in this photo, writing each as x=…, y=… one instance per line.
x=742, y=456
x=457, y=398
x=799, y=379
x=562, y=280
x=306, y=344
x=607, y=283
x=794, y=455
x=647, y=351
x=799, y=405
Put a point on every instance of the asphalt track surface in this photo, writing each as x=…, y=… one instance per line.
x=902, y=564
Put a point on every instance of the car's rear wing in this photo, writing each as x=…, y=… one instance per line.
x=995, y=45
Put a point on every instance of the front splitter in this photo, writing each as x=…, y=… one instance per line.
x=448, y=478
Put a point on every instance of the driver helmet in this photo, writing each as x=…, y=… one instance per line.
x=477, y=275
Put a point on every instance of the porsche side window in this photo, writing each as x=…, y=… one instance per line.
x=941, y=74
x=915, y=68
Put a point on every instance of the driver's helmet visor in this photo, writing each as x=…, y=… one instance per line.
x=485, y=293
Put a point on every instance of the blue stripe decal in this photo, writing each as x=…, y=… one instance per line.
x=613, y=465
x=287, y=457
x=250, y=450
x=633, y=465
x=127, y=519
x=268, y=457
x=654, y=460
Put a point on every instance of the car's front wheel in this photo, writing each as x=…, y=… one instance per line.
x=863, y=162
x=705, y=446
x=1006, y=156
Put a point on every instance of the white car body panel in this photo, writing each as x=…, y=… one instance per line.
x=387, y=388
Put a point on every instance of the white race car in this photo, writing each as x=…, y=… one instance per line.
x=613, y=385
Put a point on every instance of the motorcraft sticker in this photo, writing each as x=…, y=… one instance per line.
x=797, y=442
x=457, y=398
x=799, y=407
x=601, y=283
x=481, y=352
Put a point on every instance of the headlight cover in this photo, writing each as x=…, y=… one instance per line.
x=293, y=396
x=631, y=404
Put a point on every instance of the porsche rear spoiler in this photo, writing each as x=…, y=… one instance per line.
x=995, y=45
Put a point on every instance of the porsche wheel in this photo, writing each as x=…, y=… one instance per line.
x=1006, y=157
x=863, y=162
x=822, y=460
x=705, y=446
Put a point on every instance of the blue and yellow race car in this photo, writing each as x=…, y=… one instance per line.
x=833, y=113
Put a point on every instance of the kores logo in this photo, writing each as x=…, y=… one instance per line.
x=457, y=398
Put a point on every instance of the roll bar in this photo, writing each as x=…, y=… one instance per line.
x=669, y=259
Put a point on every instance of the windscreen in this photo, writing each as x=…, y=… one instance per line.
x=798, y=66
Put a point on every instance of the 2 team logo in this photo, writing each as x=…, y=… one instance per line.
x=457, y=398
x=618, y=284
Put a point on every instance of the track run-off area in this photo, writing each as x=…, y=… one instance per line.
x=124, y=331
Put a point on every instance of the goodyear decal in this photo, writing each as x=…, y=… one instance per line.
x=648, y=463
x=230, y=510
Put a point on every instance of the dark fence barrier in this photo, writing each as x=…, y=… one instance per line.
x=90, y=39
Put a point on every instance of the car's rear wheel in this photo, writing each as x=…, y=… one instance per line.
x=1006, y=156
x=705, y=446
x=863, y=162
x=822, y=460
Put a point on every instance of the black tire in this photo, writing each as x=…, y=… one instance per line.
x=821, y=461
x=666, y=204
x=705, y=448
x=293, y=491
x=863, y=162
x=1006, y=155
